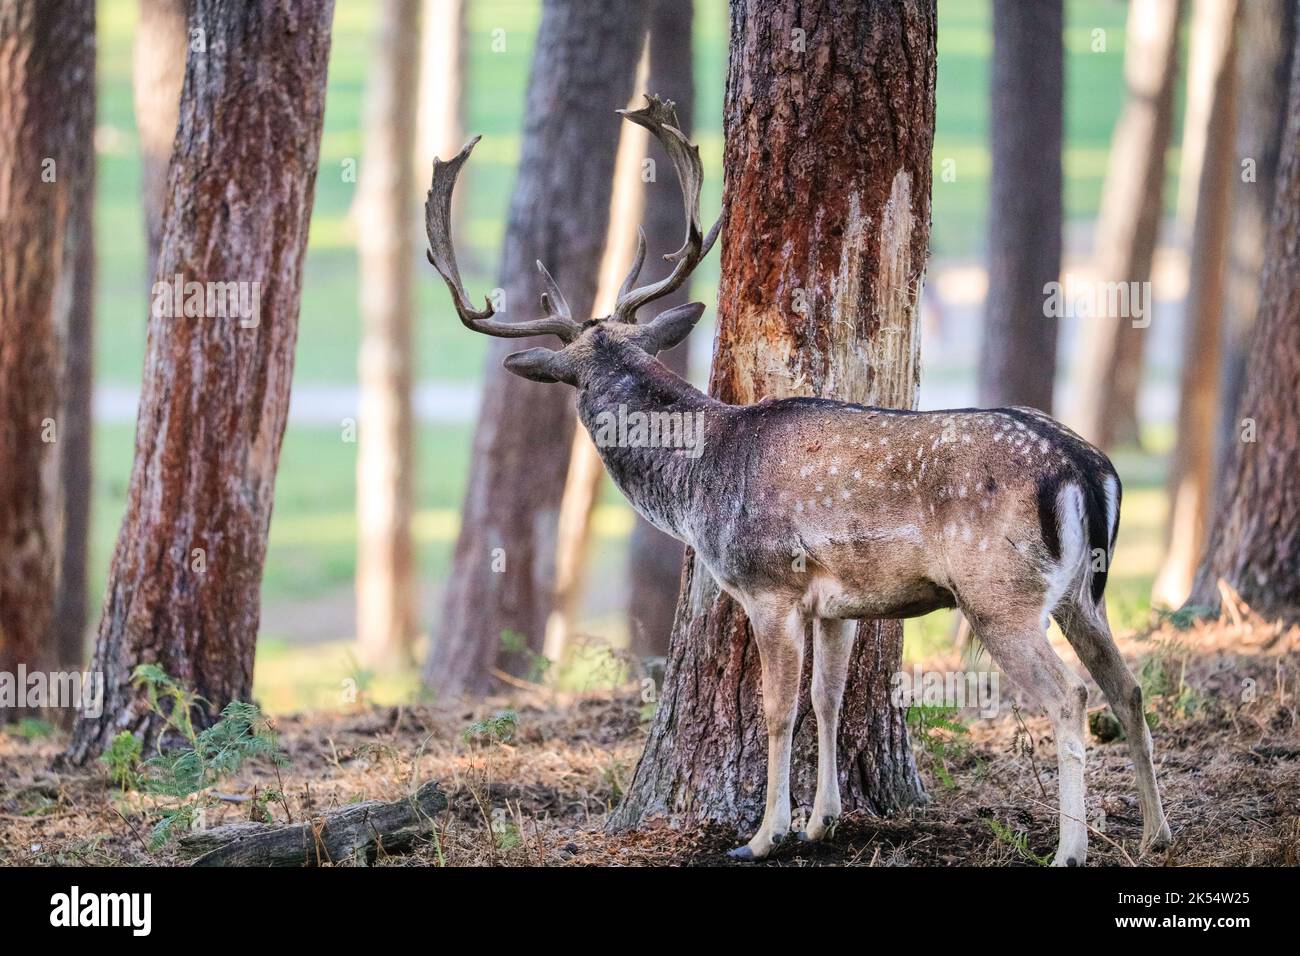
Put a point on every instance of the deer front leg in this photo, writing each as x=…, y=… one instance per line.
x=832, y=646
x=779, y=634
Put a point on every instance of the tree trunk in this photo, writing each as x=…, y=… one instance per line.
x=1018, y=355
x=385, y=581
x=161, y=44
x=1267, y=36
x=1255, y=541
x=183, y=589
x=46, y=69
x=503, y=571
x=1192, y=465
x=442, y=68
x=75, y=298
x=829, y=122
x=654, y=566
x=1111, y=357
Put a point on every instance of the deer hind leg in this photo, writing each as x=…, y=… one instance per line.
x=1020, y=648
x=779, y=634
x=832, y=647
x=1088, y=632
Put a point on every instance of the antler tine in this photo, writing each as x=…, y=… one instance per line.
x=553, y=301
x=660, y=118
x=638, y=260
x=437, y=216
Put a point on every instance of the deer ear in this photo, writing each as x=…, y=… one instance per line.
x=668, y=328
x=540, y=365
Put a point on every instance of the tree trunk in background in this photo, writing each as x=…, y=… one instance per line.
x=586, y=471
x=385, y=580
x=829, y=124
x=1255, y=542
x=654, y=567
x=503, y=571
x=1267, y=35
x=442, y=70
x=183, y=588
x=1018, y=354
x=1191, y=467
x=1110, y=366
x=43, y=51
x=161, y=45
x=75, y=298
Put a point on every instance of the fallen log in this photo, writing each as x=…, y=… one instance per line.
x=351, y=834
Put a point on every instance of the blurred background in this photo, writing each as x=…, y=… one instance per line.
x=308, y=635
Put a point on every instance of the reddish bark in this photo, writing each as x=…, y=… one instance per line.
x=829, y=122
x=183, y=589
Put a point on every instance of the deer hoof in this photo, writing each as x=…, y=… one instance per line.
x=1159, y=841
x=742, y=853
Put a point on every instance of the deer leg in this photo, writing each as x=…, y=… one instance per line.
x=1021, y=650
x=779, y=634
x=832, y=645
x=1089, y=634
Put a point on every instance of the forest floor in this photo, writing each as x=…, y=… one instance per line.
x=1227, y=742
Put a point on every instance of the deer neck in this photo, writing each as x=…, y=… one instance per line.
x=650, y=428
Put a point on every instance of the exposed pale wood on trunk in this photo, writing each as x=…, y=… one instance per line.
x=1192, y=465
x=1255, y=540
x=502, y=577
x=385, y=579
x=161, y=45
x=1110, y=366
x=654, y=566
x=46, y=62
x=184, y=582
x=1018, y=355
x=359, y=833
x=827, y=205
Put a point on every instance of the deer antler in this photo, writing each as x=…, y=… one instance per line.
x=437, y=215
x=660, y=118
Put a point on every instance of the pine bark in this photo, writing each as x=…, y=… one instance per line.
x=1191, y=467
x=829, y=122
x=502, y=578
x=184, y=582
x=655, y=559
x=1129, y=224
x=1267, y=37
x=1018, y=354
x=161, y=44
x=385, y=580
x=46, y=62
x=1255, y=541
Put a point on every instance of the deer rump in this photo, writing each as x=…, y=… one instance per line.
x=877, y=513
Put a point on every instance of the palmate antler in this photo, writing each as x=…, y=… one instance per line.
x=660, y=118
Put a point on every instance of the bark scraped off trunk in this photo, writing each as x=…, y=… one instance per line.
x=829, y=131
x=1255, y=541
x=1018, y=355
x=46, y=62
x=184, y=583
x=1111, y=359
x=502, y=577
x=385, y=580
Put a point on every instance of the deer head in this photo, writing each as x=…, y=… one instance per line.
x=567, y=363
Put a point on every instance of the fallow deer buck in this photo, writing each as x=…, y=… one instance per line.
x=1004, y=514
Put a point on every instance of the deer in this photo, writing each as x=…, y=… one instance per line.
x=1003, y=514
